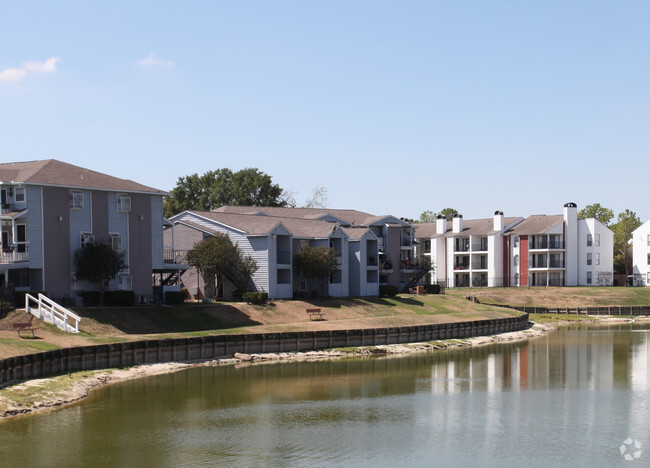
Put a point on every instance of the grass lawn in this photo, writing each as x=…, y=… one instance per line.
x=593, y=296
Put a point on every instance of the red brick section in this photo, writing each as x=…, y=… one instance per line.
x=523, y=260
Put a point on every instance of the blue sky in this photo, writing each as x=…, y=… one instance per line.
x=395, y=107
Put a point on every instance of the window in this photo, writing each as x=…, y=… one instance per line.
x=588, y=277
x=597, y=240
x=516, y=242
x=597, y=258
x=649, y=239
x=647, y=278
x=20, y=194
x=123, y=202
x=124, y=283
x=649, y=259
x=116, y=242
x=589, y=240
x=588, y=259
x=76, y=199
x=516, y=260
x=86, y=238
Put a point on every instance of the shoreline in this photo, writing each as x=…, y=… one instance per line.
x=49, y=399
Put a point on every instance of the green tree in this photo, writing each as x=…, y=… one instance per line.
x=217, y=258
x=249, y=187
x=602, y=214
x=98, y=263
x=427, y=216
x=315, y=264
x=627, y=222
x=448, y=213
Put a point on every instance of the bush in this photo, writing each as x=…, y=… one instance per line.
x=119, y=298
x=19, y=297
x=91, y=298
x=174, y=297
x=432, y=288
x=388, y=291
x=255, y=297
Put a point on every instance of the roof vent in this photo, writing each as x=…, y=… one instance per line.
x=570, y=205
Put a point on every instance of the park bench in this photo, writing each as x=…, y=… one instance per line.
x=23, y=326
x=315, y=313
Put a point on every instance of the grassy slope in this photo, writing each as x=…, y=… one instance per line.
x=559, y=297
x=110, y=325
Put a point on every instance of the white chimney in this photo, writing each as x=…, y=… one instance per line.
x=441, y=224
x=458, y=223
x=498, y=221
x=571, y=244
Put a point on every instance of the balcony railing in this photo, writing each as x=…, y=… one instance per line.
x=177, y=257
x=284, y=257
x=407, y=241
x=543, y=244
x=14, y=257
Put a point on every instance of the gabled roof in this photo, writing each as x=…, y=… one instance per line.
x=356, y=233
x=351, y=217
x=470, y=227
x=251, y=224
x=57, y=173
x=537, y=224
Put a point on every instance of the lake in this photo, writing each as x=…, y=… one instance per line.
x=578, y=396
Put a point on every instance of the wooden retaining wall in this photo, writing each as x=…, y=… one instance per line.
x=610, y=310
x=132, y=353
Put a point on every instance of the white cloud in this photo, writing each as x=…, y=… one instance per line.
x=152, y=60
x=12, y=74
x=42, y=67
x=17, y=74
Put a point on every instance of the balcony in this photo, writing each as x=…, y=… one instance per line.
x=176, y=257
x=547, y=244
x=407, y=241
x=14, y=257
x=284, y=257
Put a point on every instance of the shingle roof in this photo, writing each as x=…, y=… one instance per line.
x=537, y=224
x=352, y=217
x=262, y=225
x=53, y=172
x=355, y=233
x=470, y=227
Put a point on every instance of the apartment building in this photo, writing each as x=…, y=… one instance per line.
x=541, y=250
x=641, y=255
x=465, y=253
x=272, y=241
x=51, y=208
x=397, y=263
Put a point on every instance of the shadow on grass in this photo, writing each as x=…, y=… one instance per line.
x=186, y=318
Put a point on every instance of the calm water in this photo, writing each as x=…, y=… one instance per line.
x=570, y=398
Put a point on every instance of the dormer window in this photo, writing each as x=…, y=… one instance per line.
x=76, y=199
x=123, y=202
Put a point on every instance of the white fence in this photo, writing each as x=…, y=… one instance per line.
x=51, y=312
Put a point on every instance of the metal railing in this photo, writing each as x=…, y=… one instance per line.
x=51, y=312
x=178, y=257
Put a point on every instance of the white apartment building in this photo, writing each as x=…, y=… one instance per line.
x=641, y=255
x=541, y=250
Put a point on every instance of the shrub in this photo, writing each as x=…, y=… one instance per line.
x=432, y=288
x=388, y=291
x=174, y=297
x=255, y=297
x=119, y=298
x=91, y=298
x=19, y=297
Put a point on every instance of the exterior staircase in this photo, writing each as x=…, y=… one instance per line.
x=51, y=312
